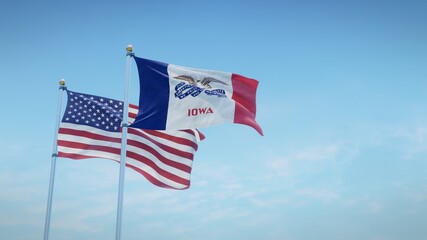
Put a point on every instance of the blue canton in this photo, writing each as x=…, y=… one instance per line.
x=99, y=112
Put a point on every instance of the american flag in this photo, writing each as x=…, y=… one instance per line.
x=90, y=128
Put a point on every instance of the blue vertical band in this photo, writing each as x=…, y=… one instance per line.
x=153, y=95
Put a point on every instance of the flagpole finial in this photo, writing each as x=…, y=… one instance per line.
x=129, y=48
x=62, y=84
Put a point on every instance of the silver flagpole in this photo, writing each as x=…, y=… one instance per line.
x=129, y=55
x=62, y=87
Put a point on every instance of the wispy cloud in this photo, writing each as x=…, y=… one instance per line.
x=415, y=193
x=414, y=141
x=322, y=194
x=311, y=159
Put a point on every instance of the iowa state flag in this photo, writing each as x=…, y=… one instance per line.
x=174, y=97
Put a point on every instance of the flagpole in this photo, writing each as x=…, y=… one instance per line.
x=129, y=55
x=62, y=88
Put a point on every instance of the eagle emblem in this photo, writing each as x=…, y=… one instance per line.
x=203, y=83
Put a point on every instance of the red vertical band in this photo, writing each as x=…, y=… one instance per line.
x=244, y=95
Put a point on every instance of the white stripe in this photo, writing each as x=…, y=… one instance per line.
x=159, y=163
x=176, y=145
x=130, y=148
x=134, y=111
x=130, y=161
x=90, y=129
x=85, y=140
x=167, y=143
x=167, y=155
x=89, y=141
x=138, y=150
x=94, y=153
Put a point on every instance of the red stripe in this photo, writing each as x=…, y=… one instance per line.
x=87, y=134
x=160, y=145
x=130, y=154
x=146, y=175
x=132, y=115
x=180, y=140
x=155, y=181
x=74, y=156
x=244, y=94
x=156, y=168
x=201, y=135
x=159, y=156
x=192, y=133
x=84, y=146
x=139, y=145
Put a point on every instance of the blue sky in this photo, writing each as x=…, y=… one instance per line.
x=342, y=102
